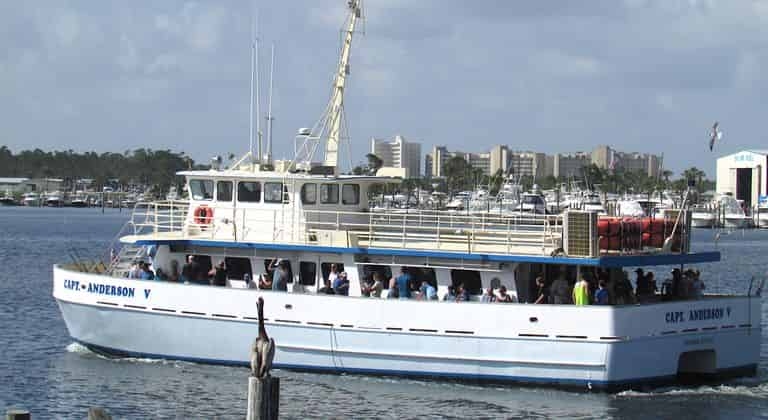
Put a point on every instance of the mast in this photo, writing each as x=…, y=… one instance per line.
x=250, y=114
x=270, y=118
x=335, y=110
x=258, y=112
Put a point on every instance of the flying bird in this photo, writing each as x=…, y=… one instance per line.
x=263, y=350
x=715, y=134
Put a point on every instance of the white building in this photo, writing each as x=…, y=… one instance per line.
x=743, y=175
x=398, y=153
x=570, y=164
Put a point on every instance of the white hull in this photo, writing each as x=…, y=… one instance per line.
x=702, y=220
x=736, y=222
x=552, y=344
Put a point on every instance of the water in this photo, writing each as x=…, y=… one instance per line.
x=42, y=370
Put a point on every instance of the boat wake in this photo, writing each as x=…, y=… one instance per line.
x=754, y=389
x=78, y=348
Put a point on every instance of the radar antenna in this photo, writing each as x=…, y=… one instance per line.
x=330, y=124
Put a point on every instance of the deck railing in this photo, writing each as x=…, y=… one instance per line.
x=415, y=229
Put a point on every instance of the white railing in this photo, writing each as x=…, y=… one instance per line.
x=415, y=229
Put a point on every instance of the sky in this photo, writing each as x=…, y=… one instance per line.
x=550, y=76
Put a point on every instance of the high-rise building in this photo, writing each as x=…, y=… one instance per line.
x=399, y=153
x=519, y=163
x=440, y=155
x=567, y=165
x=606, y=157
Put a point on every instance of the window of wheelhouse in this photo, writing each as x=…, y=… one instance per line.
x=469, y=278
x=224, y=191
x=309, y=194
x=273, y=192
x=248, y=192
x=201, y=189
x=384, y=270
x=329, y=194
x=238, y=267
x=350, y=194
x=307, y=273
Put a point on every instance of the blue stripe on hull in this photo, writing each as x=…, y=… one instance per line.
x=611, y=386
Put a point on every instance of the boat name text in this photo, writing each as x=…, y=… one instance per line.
x=705, y=314
x=103, y=289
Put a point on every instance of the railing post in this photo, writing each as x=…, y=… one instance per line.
x=370, y=229
x=437, y=228
x=405, y=218
x=157, y=227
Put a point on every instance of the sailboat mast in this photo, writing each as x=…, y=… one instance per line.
x=250, y=114
x=269, y=105
x=258, y=112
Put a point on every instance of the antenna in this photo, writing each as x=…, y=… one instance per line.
x=258, y=99
x=270, y=118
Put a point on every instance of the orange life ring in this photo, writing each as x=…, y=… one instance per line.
x=203, y=215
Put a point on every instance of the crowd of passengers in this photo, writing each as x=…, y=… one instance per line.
x=591, y=288
x=596, y=288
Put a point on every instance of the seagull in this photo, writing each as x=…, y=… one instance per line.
x=715, y=134
x=263, y=350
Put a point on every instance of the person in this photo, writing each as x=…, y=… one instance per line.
x=333, y=273
x=136, y=270
x=374, y=288
x=403, y=282
x=623, y=294
x=697, y=286
x=190, y=269
x=503, y=296
x=677, y=279
x=542, y=292
x=160, y=275
x=427, y=291
x=488, y=296
x=461, y=294
x=174, y=275
x=218, y=275
x=146, y=273
x=341, y=284
x=265, y=281
x=560, y=291
x=450, y=295
x=249, y=282
x=581, y=292
x=280, y=276
x=326, y=289
x=642, y=286
x=601, y=294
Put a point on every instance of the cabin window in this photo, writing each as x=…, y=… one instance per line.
x=224, y=191
x=201, y=189
x=273, y=192
x=268, y=264
x=249, y=192
x=325, y=268
x=237, y=268
x=329, y=193
x=204, y=265
x=469, y=278
x=309, y=194
x=384, y=270
x=420, y=274
x=307, y=273
x=350, y=194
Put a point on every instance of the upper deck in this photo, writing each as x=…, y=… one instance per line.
x=238, y=209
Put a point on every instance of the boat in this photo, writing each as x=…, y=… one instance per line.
x=761, y=213
x=703, y=216
x=733, y=213
x=7, y=199
x=80, y=199
x=54, y=199
x=531, y=203
x=311, y=217
x=31, y=199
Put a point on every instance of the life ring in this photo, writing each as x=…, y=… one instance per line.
x=203, y=215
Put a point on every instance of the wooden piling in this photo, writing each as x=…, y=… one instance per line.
x=263, y=398
x=98, y=413
x=15, y=414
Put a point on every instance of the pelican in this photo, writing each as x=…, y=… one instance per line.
x=263, y=350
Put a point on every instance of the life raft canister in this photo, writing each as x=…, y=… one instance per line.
x=203, y=215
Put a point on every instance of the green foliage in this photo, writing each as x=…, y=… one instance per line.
x=141, y=166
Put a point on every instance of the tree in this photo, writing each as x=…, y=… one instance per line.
x=374, y=163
